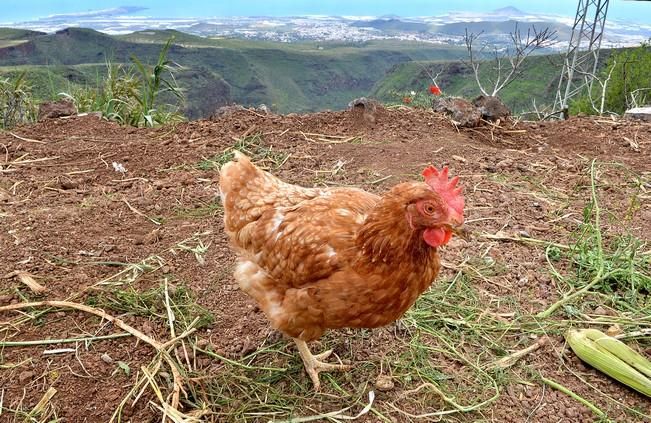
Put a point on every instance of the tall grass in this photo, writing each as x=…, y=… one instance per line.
x=131, y=95
x=16, y=102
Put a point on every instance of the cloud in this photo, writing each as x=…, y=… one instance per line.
x=123, y=10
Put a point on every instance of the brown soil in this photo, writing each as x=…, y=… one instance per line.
x=66, y=214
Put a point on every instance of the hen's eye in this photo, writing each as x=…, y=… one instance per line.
x=429, y=209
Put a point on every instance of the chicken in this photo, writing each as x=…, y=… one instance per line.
x=316, y=259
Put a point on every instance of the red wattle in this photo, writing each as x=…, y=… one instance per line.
x=436, y=237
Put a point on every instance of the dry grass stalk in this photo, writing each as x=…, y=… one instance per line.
x=27, y=139
x=139, y=213
x=27, y=279
x=161, y=348
x=510, y=360
x=41, y=406
x=19, y=162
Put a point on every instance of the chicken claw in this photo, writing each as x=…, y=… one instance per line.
x=313, y=365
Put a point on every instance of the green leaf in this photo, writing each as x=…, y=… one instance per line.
x=125, y=367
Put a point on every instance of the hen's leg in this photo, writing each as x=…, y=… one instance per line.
x=312, y=364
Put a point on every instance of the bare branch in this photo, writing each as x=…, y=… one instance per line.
x=469, y=40
x=515, y=55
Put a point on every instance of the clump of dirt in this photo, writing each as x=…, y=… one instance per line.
x=88, y=207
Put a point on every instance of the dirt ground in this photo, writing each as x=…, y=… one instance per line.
x=79, y=227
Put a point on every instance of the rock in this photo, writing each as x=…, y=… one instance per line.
x=225, y=111
x=364, y=110
x=68, y=184
x=491, y=108
x=263, y=109
x=614, y=330
x=384, y=383
x=56, y=109
x=106, y=358
x=462, y=112
x=505, y=163
x=25, y=376
x=639, y=113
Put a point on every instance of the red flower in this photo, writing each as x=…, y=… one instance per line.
x=406, y=100
x=434, y=89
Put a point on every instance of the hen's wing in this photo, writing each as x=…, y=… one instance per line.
x=302, y=244
x=296, y=235
x=247, y=192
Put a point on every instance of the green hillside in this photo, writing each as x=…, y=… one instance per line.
x=297, y=77
x=538, y=80
x=10, y=37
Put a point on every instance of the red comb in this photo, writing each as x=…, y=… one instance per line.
x=447, y=189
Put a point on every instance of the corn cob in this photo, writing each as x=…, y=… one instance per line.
x=612, y=357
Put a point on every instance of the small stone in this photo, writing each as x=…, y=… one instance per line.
x=225, y=111
x=202, y=343
x=106, y=358
x=69, y=185
x=25, y=376
x=166, y=269
x=384, y=383
x=504, y=164
x=56, y=109
x=571, y=412
x=491, y=108
x=464, y=113
x=614, y=330
x=364, y=110
x=524, y=234
x=600, y=311
x=60, y=314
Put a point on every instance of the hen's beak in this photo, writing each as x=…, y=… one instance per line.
x=455, y=226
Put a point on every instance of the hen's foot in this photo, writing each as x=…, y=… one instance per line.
x=313, y=365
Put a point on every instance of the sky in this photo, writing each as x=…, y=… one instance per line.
x=23, y=10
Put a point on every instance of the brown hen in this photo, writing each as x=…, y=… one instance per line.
x=317, y=259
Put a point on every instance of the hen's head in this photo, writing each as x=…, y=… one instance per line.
x=438, y=211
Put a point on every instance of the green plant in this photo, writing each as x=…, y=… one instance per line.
x=624, y=82
x=253, y=146
x=153, y=83
x=130, y=95
x=16, y=102
x=154, y=304
x=618, y=267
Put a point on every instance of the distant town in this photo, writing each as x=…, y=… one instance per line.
x=445, y=29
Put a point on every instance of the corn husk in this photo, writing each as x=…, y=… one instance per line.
x=612, y=357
